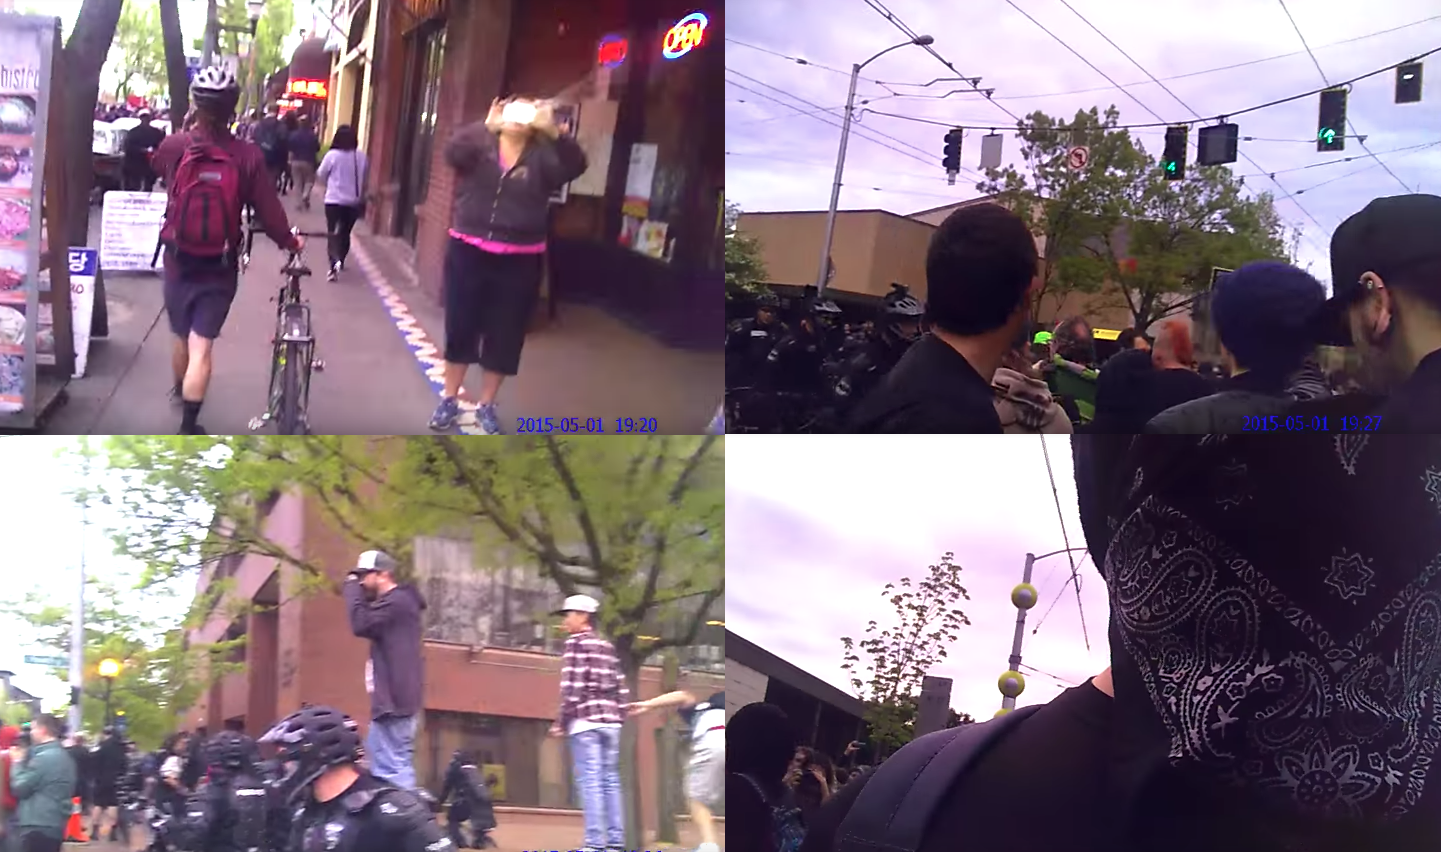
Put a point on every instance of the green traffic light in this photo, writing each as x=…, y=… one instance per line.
x=1328, y=136
x=1171, y=166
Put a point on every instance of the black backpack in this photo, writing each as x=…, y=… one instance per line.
x=893, y=810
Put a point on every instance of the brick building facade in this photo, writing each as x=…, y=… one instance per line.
x=436, y=65
x=495, y=699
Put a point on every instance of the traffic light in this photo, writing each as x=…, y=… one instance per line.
x=1217, y=144
x=1173, y=160
x=952, y=162
x=1408, y=83
x=1331, y=128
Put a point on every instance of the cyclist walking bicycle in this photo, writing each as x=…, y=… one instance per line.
x=209, y=176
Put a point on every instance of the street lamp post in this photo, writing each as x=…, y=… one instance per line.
x=109, y=668
x=823, y=275
x=1024, y=596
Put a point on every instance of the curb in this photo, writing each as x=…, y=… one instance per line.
x=426, y=353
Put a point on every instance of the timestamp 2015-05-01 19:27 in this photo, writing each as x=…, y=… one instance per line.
x=587, y=426
x=1312, y=423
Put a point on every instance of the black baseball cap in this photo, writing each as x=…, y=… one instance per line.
x=1387, y=237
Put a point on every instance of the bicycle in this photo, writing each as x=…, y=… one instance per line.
x=293, y=358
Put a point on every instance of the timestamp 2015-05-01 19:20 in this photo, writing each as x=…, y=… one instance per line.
x=1312, y=423
x=587, y=426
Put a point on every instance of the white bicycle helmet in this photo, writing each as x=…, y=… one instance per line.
x=900, y=303
x=215, y=88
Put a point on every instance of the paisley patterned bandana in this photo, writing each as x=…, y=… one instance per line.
x=1276, y=620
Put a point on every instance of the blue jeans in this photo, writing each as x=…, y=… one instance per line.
x=597, y=785
x=391, y=744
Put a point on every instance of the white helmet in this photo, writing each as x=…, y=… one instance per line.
x=215, y=89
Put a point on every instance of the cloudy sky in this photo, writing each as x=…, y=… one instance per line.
x=782, y=118
x=809, y=547
x=44, y=540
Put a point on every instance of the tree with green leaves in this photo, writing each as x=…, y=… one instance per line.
x=902, y=654
x=1118, y=221
x=745, y=271
x=160, y=675
x=139, y=49
x=1070, y=210
x=639, y=519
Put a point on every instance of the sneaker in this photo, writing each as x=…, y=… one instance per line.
x=489, y=419
x=334, y=273
x=445, y=414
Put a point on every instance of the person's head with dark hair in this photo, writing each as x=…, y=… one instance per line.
x=290, y=122
x=760, y=742
x=980, y=274
x=344, y=139
x=1074, y=341
x=46, y=727
x=1263, y=314
x=1130, y=338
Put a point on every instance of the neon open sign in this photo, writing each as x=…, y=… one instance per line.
x=685, y=36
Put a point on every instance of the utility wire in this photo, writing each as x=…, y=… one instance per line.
x=1067, y=539
x=920, y=155
x=1317, y=63
x=1066, y=681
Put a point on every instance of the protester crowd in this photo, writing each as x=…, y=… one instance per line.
x=318, y=786
x=976, y=363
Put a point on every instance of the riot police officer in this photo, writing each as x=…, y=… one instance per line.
x=341, y=807
x=230, y=812
x=472, y=802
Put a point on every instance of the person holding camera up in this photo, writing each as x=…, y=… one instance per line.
x=388, y=614
x=506, y=170
x=42, y=779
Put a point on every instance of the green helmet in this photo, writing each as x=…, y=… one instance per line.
x=1042, y=338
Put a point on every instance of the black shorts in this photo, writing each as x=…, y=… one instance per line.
x=489, y=300
x=198, y=301
x=105, y=796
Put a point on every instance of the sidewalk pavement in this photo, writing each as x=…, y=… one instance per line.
x=378, y=335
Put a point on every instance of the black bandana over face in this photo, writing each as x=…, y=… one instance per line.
x=1276, y=620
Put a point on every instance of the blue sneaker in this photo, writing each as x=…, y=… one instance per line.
x=445, y=414
x=488, y=419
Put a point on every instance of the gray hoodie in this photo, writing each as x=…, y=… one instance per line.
x=392, y=624
x=1025, y=405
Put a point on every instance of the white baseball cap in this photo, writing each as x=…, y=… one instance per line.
x=579, y=603
x=374, y=560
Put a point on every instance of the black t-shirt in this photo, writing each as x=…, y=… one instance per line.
x=1052, y=767
x=1173, y=387
x=1414, y=408
x=933, y=388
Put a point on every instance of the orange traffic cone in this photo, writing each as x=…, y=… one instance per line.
x=75, y=828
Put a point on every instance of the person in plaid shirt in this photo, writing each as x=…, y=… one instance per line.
x=593, y=702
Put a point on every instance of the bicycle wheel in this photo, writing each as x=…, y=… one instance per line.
x=290, y=411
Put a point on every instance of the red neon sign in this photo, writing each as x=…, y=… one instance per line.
x=317, y=89
x=685, y=36
x=612, y=52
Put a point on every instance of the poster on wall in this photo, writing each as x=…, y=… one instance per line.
x=130, y=230
x=595, y=137
x=640, y=179
x=25, y=47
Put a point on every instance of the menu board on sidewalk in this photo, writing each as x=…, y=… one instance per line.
x=130, y=230
x=26, y=43
x=83, y=263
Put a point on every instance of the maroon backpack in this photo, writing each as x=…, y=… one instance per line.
x=202, y=219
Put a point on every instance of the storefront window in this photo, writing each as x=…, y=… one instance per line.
x=417, y=126
x=676, y=167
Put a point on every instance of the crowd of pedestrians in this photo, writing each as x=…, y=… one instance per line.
x=979, y=365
